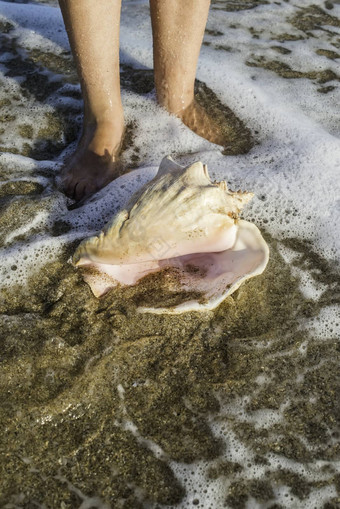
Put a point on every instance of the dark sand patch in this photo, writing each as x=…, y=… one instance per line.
x=236, y=5
x=285, y=71
x=313, y=18
x=332, y=55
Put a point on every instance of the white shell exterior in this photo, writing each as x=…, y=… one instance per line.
x=179, y=212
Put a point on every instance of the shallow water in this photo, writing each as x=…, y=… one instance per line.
x=106, y=407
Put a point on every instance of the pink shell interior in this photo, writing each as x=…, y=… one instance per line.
x=214, y=274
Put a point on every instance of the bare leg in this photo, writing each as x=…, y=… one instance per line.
x=178, y=29
x=93, y=31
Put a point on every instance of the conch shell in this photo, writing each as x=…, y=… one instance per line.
x=179, y=220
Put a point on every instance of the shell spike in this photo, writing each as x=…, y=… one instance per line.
x=168, y=165
x=205, y=169
x=197, y=174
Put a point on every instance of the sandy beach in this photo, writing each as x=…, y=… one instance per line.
x=105, y=407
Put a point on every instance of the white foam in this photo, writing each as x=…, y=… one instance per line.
x=327, y=324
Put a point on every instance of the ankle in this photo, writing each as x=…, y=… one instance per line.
x=176, y=102
x=105, y=117
x=102, y=136
x=94, y=127
x=176, y=106
x=115, y=122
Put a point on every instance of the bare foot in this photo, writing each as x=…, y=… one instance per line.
x=94, y=163
x=200, y=122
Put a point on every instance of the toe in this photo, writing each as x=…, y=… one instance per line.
x=91, y=188
x=80, y=190
x=68, y=185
